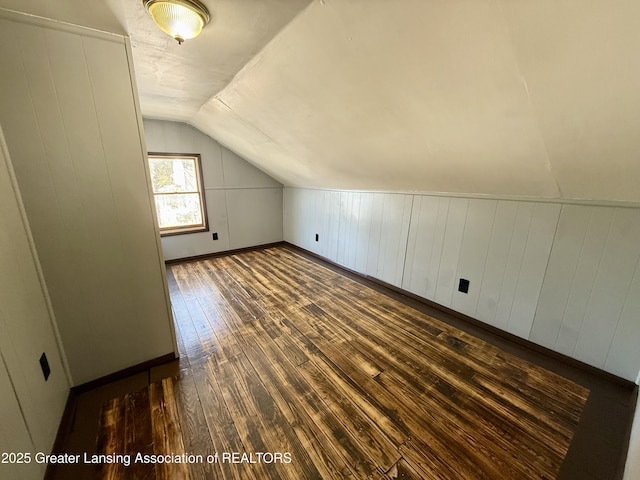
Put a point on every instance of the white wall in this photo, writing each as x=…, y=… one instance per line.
x=244, y=204
x=562, y=276
x=590, y=302
x=30, y=407
x=68, y=108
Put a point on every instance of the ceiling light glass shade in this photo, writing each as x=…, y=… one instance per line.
x=182, y=19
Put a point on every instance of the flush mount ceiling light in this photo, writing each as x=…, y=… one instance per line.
x=182, y=19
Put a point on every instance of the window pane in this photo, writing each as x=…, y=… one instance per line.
x=173, y=175
x=179, y=210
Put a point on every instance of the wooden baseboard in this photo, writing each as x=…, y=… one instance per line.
x=477, y=325
x=224, y=253
x=126, y=372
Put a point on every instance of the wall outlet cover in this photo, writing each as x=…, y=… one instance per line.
x=44, y=364
x=463, y=286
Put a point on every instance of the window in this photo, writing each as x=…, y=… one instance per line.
x=178, y=192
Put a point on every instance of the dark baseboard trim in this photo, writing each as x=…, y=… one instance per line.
x=467, y=320
x=224, y=253
x=124, y=373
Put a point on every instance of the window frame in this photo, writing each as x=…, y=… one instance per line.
x=170, y=231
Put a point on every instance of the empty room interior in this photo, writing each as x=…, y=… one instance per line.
x=319, y=239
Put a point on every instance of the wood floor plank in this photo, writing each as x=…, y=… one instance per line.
x=281, y=354
x=268, y=410
x=439, y=381
x=138, y=433
x=244, y=419
x=524, y=380
x=447, y=365
x=222, y=429
x=404, y=471
x=315, y=408
x=318, y=446
x=195, y=432
x=111, y=439
x=400, y=409
x=166, y=433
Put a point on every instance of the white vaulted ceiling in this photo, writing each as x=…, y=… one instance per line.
x=500, y=97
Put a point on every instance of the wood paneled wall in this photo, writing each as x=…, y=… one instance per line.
x=30, y=406
x=590, y=302
x=563, y=276
x=244, y=204
x=68, y=108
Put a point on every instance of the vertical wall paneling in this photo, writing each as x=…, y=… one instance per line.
x=347, y=224
x=453, y=232
x=582, y=286
x=532, y=268
x=112, y=96
x=496, y=261
x=624, y=353
x=254, y=216
x=310, y=220
x=563, y=276
x=354, y=215
x=435, y=262
x=323, y=213
x=291, y=208
x=588, y=307
x=14, y=436
x=334, y=224
x=294, y=207
x=473, y=254
x=515, y=254
x=420, y=244
x=292, y=204
x=396, y=215
x=321, y=222
x=244, y=205
x=78, y=115
x=375, y=230
x=27, y=329
x=611, y=287
x=343, y=227
x=52, y=214
x=68, y=106
x=363, y=232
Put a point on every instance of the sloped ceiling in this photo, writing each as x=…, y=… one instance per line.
x=538, y=99
x=523, y=98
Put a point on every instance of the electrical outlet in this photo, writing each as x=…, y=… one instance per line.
x=463, y=286
x=317, y=237
x=215, y=236
x=44, y=364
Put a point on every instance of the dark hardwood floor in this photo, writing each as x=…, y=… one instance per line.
x=313, y=373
